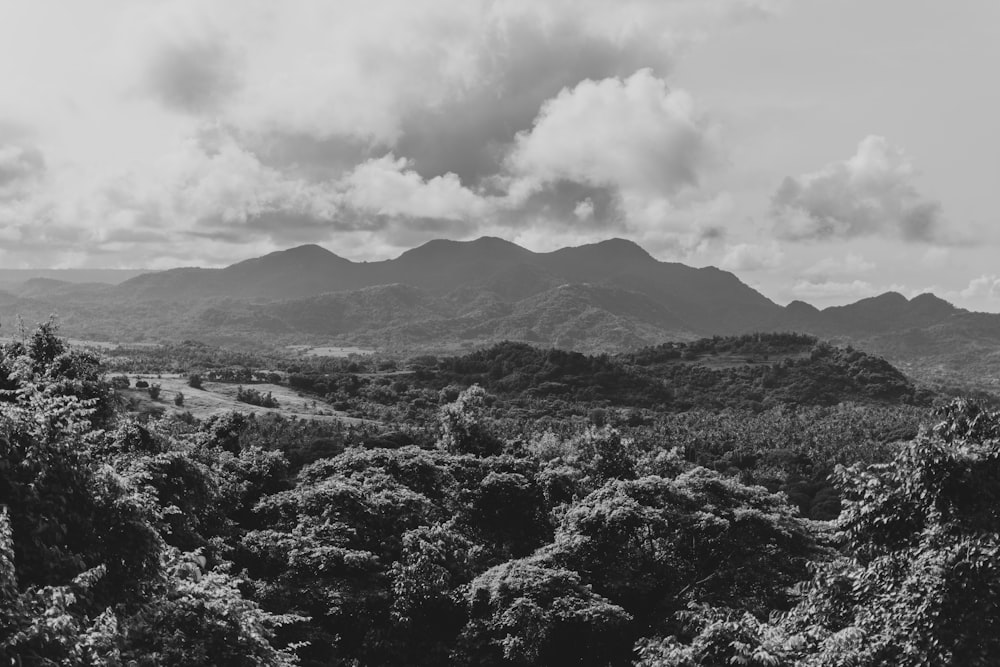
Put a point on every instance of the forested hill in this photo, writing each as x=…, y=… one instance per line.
x=755, y=371
x=746, y=371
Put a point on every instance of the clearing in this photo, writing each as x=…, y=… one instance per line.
x=218, y=397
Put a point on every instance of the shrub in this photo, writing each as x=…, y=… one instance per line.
x=255, y=397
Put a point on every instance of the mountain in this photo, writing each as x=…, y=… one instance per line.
x=695, y=299
x=297, y=272
x=878, y=314
x=109, y=276
x=453, y=295
x=925, y=336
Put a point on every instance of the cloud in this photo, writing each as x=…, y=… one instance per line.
x=19, y=165
x=752, y=257
x=196, y=75
x=447, y=83
x=854, y=289
x=219, y=190
x=584, y=209
x=389, y=186
x=849, y=265
x=985, y=286
x=871, y=193
x=633, y=134
x=184, y=127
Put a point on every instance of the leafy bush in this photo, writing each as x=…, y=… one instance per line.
x=252, y=396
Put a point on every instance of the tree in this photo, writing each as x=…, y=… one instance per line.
x=179, y=399
x=653, y=545
x=523, y=613
x=154, y=391
x=919, y=583
x=463, y=428
x=85, y=574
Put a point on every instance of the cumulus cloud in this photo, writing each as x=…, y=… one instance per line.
x=220, y=191
x=447, y=83
x=314, y=121
x=389, y=186
x=871, y=193
x=752, y=257
x=985, y=286
x=633, y=134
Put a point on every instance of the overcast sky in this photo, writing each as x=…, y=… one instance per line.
x=823, y=150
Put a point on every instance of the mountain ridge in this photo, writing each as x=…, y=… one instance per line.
x=457, y=295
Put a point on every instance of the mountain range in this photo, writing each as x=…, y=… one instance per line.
x=450, y=295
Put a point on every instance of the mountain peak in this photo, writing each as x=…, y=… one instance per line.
x=929, y=297
x=307, y=251
x=930, y=303
x=621, y=247
x=611, y=250
x=299, y=256
x=894, y=298
x=486, y=247
x=801, y=308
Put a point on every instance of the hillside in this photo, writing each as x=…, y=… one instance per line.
x=704, y=298
x=755, y=371
x=449, y=296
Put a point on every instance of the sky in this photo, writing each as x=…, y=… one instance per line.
x=822, y=150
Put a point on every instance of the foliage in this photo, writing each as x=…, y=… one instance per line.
x=462, y=425
x=86, y=573
x=581, y=514
x=526, y=614
x=919, y=583
x=253, y=396
x=654, y=544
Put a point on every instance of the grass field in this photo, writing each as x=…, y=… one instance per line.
x=218, y=397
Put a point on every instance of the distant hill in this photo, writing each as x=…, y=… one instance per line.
x=32, y=281
x=754, y=371
x=446, y=296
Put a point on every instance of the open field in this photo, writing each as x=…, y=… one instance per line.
x=328, y=351
x=218, y=397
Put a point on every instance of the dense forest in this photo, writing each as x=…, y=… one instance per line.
x=733, y=501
